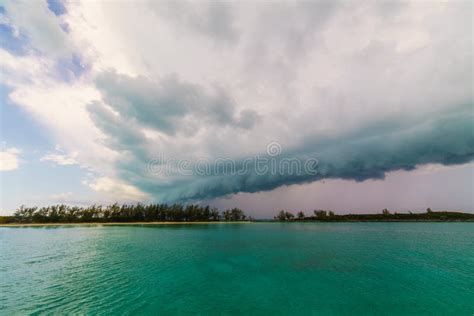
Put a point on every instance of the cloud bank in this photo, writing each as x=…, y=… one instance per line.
x=364, y=88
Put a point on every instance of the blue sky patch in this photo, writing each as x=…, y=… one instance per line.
x=17, y=45
x=57, y=7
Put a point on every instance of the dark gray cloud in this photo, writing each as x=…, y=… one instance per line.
x=171, y=106
x=444, y=137
x=365, y=89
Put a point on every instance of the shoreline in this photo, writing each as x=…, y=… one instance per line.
x=119, y=223
x=223, y=222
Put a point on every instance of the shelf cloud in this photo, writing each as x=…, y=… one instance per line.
x=360, y=89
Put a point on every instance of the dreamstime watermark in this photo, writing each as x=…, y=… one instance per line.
x=271, y=163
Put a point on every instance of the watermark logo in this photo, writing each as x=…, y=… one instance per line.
x=272, y=163
x=273, y=149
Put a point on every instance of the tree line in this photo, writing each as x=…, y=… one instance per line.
x=385, y=215
x=197, y=213
x=124, y=213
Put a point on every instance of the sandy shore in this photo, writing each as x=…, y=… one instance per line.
x=118, y=224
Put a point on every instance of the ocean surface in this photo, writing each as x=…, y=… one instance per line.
x=256, y=268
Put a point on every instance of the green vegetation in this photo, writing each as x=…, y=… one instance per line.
x=235, y=214
x=284, y=216
x=124, y=213
x=7, y=219
x=196, y=213
x=329, y=216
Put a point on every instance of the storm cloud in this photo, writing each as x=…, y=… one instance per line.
x=362, y=88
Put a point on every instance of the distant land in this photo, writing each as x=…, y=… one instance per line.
x=384, y=216
x=180, y=213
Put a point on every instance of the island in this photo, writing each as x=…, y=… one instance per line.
x=115, y=213
x=384, y=216
x=192, y=213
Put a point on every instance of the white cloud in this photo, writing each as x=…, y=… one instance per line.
x=117, y=189
x=22, y=70
x=42, y=27
x=311, y=72
x=59, y=106
x=61, y=159
x=9, y=159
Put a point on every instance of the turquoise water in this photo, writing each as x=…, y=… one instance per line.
x=261, y=268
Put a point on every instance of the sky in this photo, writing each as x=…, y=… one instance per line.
x=348, y=106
